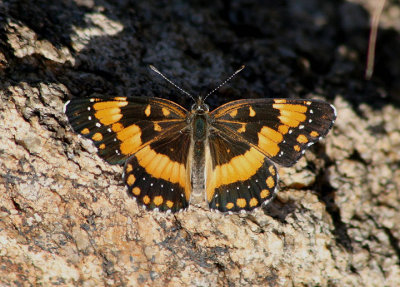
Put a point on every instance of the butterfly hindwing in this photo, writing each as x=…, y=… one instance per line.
x=281, y=128
x=120, y=126
x=239, y=177
x=158, y=175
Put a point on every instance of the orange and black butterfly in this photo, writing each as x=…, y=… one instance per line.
x=173, y=156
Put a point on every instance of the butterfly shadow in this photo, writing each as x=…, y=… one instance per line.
x=279, y=210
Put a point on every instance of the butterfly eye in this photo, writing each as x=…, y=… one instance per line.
x=200, y=106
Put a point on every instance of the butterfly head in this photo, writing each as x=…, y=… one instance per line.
x=200, y=106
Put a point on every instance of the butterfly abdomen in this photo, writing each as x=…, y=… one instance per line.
x=199, y=141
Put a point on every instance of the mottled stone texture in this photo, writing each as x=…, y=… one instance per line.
x=65, y=216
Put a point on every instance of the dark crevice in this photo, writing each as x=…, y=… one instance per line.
x=394, y=242
x=16, y=205
x=326, y=193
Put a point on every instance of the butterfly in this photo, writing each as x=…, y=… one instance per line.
x=226, y=157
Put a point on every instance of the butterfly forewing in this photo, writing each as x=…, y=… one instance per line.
x=120, y=126
x=280, y=128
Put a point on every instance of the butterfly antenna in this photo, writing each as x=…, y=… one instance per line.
x=169, y=81
x=224, y=82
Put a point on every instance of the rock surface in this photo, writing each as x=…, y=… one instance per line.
x=65, y=216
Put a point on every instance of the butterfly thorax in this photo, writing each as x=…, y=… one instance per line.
x=199, y=120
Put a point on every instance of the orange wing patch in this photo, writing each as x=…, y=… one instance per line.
x=291, y=119
x=147, y=111
x=117, y=127
x=283, y=129
x=165, y=112
x=267, y=144
x=241, y=202
x=271, y=169
x=253, y=202
x=106, y=105
x=270, y=182
x=268, y=140
x=109, y=112
x=85, y=131
x=136, y=191
x=158, y=200
x=252, y=112
x=161, y=166
x=291, y=115
x=264, y=193
x=130, y=138
x=302, y=139
x=131, y=179
x=290, y=107
x=242, y=129
x=157, y=127
x=146, y=199
x=97, y=137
